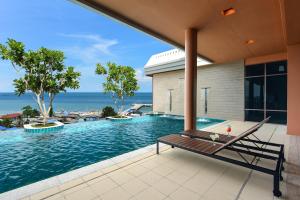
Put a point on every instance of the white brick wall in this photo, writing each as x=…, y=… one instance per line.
x=226, y=91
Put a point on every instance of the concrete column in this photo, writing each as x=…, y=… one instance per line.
x=293, y=98
x=190, y=86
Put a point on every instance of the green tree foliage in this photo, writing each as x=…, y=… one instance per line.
x=6, y=123
x=108, y=111
x=28, y=112
x=43, y=70
x=120, y=82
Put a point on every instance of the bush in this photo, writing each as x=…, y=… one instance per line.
x=6, y=123
x=28, y=111
x=108, y=111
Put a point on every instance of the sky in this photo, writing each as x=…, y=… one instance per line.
x=85, y=36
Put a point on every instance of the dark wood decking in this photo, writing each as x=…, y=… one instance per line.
x=206, y=136
x=199, y=146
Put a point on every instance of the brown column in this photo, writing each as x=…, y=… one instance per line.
x=190, y=86
x=293, y=98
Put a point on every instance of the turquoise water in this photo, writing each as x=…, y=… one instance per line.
x=30, y=157
x=71, y=101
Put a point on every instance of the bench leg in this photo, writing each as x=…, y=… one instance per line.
x=276, y=190
x=157, y=147
x=276, y=183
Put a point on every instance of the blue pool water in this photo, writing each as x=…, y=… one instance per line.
x=30, y=157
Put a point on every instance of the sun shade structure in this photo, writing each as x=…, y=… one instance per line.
x=220, y=38
x=257, y=150
x=223, y=31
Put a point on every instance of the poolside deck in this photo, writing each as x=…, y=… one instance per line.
x=176, y=174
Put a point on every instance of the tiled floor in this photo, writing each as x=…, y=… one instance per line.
x=179, y=175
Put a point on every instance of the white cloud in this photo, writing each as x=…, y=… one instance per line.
x=141, y=77
x=90, y=49
x=99, y=43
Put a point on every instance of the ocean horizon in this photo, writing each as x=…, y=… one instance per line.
x=70, y=101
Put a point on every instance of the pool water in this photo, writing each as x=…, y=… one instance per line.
x=30, y=157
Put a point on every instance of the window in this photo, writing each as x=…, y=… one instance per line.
x=254, y=93
x=276, y=68
x=276, y=92
x=266, y=92
x=254, y=70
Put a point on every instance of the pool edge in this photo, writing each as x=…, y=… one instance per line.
x=40, y=186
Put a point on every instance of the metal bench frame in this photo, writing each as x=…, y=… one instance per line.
x=258, y=150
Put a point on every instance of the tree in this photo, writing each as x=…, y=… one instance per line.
x=120, y=82
x=6, y=123
x=44, y=73
x=28, y=111
x=108, y=111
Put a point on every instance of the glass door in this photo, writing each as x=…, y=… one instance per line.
x=266, y=92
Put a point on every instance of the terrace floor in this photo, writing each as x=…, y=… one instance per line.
x=177, y=174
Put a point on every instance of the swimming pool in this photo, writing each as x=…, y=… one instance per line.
x=30, y=157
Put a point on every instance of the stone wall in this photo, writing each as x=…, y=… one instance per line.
x=225, y=83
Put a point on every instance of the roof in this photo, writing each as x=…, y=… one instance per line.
x=272, y=24
x=168, y=61
x=171, y=56
x=10, y=116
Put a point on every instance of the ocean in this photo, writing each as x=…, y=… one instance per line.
x=71, y=101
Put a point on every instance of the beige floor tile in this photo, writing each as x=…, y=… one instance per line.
x=166, y=186
x=150, y=178
x=231, y=181
x=134, y=186
x=219, y=195
x=103, y=186
x=95, y=180
x=45, y=193
x=260, y=186
x=86, y=194
x=116, y=194
x=120, y=176
x=92, y=175
x=136, y=170
x=110, y=169
x=201, y=182
x=56, y=197
x=75, y=189
x=178, y=177
x=182, y=194
x=26, y=198
x=149, y=163
x=163, y=170
x=150, y=194
x=124, y=163
x=71, y=184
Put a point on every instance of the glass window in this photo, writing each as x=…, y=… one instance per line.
x=255, y=70
x=276, y=92
x=277, y=117
x=254, y=93
x=254, y=115
x=276, y=67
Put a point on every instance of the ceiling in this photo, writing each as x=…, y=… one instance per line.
x=272, y=24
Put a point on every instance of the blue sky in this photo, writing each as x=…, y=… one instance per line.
x=85, y=36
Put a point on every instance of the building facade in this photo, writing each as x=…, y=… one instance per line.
x=235, y=90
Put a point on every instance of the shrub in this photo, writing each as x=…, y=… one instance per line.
x=28, y=111
x=108, y=111
x=6, y=123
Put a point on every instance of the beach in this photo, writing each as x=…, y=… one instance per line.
x=71, y=101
